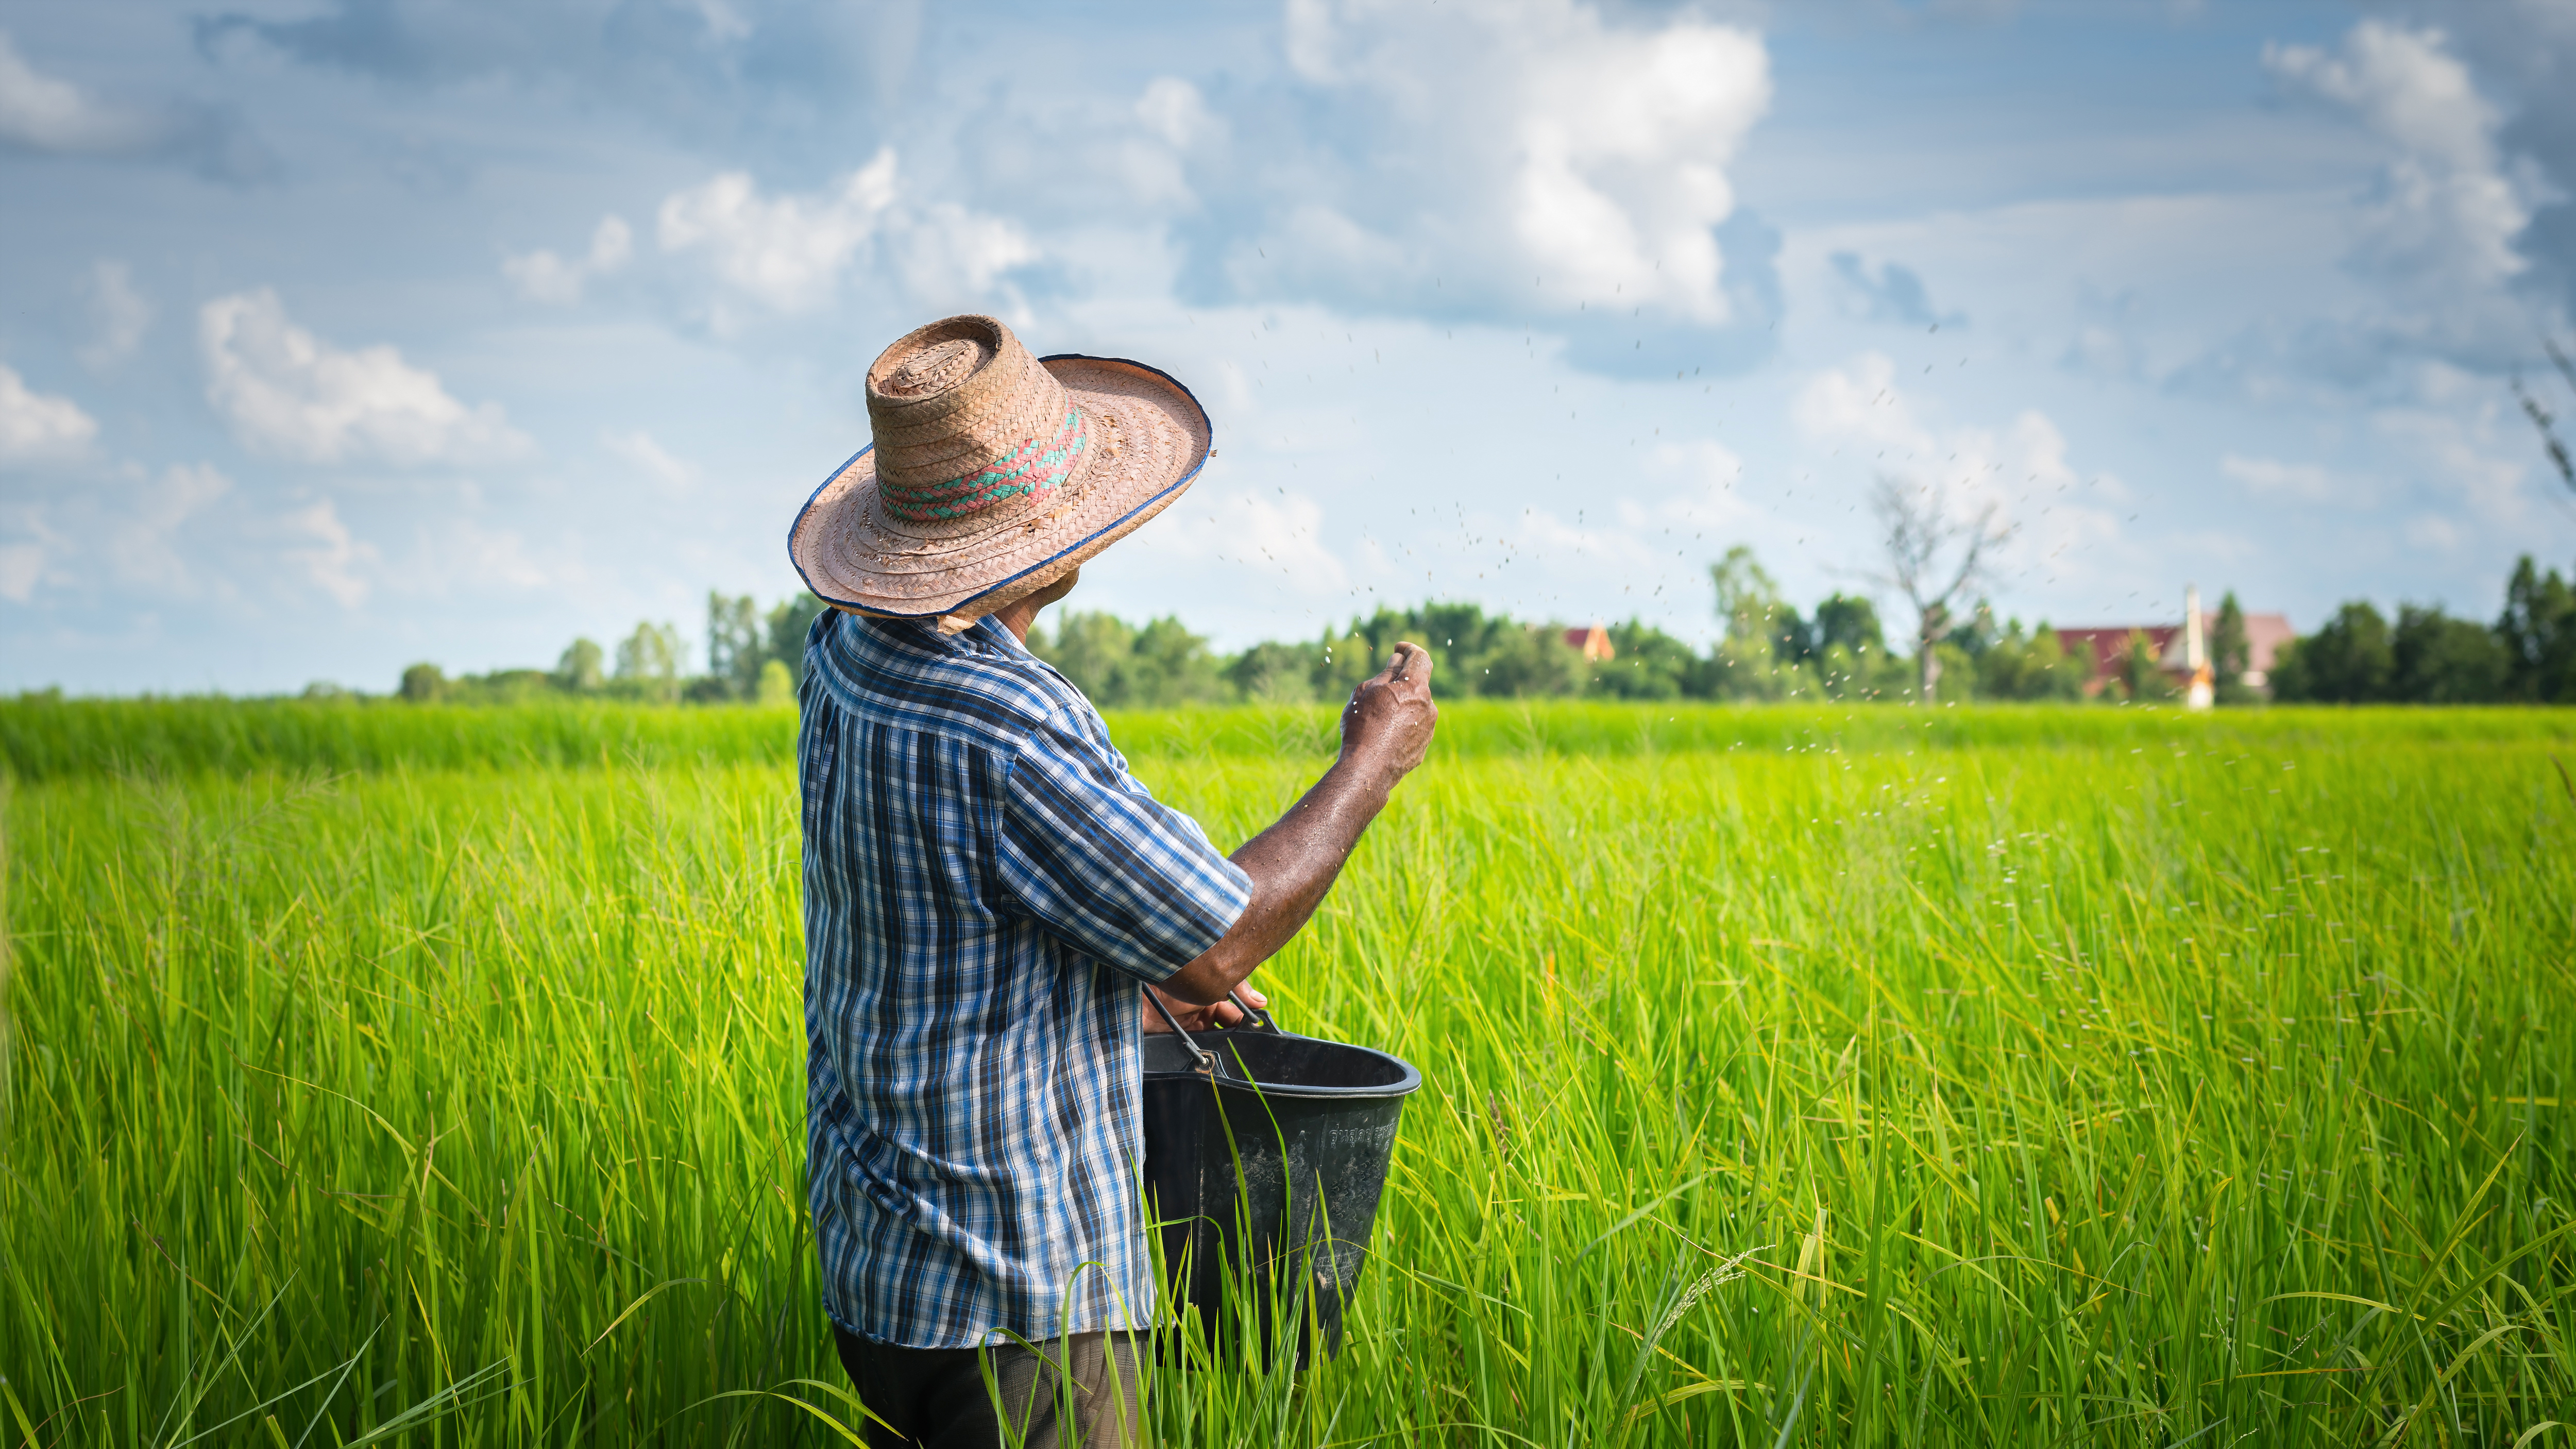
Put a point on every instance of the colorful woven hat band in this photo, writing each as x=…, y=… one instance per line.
x=1034, y=469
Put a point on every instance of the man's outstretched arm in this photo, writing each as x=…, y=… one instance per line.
x=1385, y=730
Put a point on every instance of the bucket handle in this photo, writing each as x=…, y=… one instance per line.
x=1252, y=1012
x=1205, y=1058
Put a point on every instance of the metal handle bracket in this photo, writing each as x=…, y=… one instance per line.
x=1205, y=1058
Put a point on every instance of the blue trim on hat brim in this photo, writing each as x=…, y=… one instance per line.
x=1177, y=485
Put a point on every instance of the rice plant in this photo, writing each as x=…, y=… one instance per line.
x=1831, y=1076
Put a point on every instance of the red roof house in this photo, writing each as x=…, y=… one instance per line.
x=2108, y=647
x=1593, y=643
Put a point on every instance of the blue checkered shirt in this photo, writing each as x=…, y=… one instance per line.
x=985, y=887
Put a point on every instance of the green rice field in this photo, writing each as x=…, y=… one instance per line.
x=1824, y=1076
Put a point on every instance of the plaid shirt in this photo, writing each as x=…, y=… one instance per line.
x=985, y=887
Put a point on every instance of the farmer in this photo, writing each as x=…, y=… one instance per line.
x=989, y=893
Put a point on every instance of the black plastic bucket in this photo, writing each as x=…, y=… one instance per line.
x=1264, y=1156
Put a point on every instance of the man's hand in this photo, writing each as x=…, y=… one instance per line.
x=1388, y=723
x=1385, y=731
x=1201, y=1018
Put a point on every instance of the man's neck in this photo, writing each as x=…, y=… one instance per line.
x=1019, y=618
x=1020, y=615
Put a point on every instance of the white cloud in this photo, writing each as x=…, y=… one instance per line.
x=2306, y=482
x=36, y=425
x=51, y=116
x=786, y=252
x=542, y=276
x=1179, y=123
x=789, y=252
x=1173, y=109
x=2441, y=223
x=330, y=556
x=118, y=313
x=951, y=256
x=2404, y=85
x=647, y=456
x=42, y=113
x=1310, y=40
x=289, y=393
x=1523, y=152
x=2526, y=49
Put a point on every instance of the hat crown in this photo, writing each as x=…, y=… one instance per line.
x=969, y=427
x=936, y=368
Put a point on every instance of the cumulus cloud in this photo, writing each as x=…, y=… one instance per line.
x=2406, y=86
x=1531, y=159
x=288, y=393
x=1175, y=112
x=543, y=276
x=948, y=255
x=51, y=116
x=46, y=114
x=330, y=557
x=785, y=252
x=789, y=252
x=2444, y=207
x=37, y=426
x=2527, y=50
x=2440, y=224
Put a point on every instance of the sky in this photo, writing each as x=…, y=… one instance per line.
x=341, y=334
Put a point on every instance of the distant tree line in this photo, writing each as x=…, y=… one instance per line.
x=1769, y=650
x=2527, y=656
x=752, y=657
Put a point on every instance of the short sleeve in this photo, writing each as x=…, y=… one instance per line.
x=1106, y=867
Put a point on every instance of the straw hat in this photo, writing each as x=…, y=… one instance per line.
x=992, y=474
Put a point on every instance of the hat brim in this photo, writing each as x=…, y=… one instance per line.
x=853, y=556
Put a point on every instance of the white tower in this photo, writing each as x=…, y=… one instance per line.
x=2199, y=693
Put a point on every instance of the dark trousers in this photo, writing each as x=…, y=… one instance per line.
x=936, y=1397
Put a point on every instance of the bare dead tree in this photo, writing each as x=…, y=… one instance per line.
x=1934, y=556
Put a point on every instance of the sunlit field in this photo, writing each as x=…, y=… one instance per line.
x=1829, y=1076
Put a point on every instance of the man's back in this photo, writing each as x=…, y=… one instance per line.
x=985, y=887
